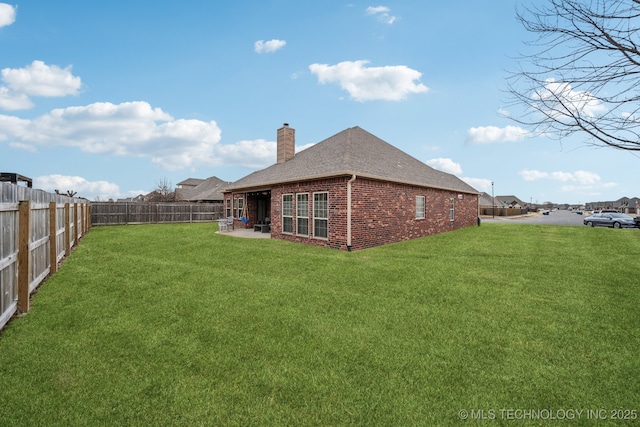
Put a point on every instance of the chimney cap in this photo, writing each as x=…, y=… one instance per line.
x=285, y=125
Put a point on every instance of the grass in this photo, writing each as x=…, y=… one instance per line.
x=175, y=325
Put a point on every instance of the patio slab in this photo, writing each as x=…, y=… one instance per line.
x=247, y=233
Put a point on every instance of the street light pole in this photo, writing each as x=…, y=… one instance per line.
x=493, y=203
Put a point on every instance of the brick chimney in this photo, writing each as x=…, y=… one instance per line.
x=286, y=143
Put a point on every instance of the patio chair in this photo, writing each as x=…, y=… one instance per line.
x=225, y=224
x=263, y=227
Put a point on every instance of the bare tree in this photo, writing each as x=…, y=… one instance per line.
x=585, y=76
x=69, y=193
x=163, y=192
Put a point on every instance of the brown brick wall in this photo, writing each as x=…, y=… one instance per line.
x=337, y=209
x=385, y=212
x=382, y=212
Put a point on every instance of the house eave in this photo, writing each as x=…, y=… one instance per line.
x=269, y=185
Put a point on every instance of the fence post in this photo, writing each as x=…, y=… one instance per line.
x=24, y=233
x=85, y=208
x=67, y=232
x=75, y=224
x=81, y=220
x=53, y=241
x=87, y=222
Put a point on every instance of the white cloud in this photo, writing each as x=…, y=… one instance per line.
x=372, y=10
x=389, y=83
x=382, y=13
x=270, y=46
x=445, y=165
x=533, y=175
x=480, y=184
x=23, y=147
x=558, y=100
x=12, y=128
x=92, y=190
x=504, y=112
x=586, y=178
x=250, y=154
x=580, y=181
x=490, y=134
x=10, y=100
x=579, y=177
x=129, y=129
x=135, y=129
x=40, y=79
x=37, y=79
x=7, y=14
x=588, y=189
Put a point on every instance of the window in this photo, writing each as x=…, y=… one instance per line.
x=287, y=213
x=228, y=208
x=419, y=207
x=235, y=206
x=302, y=214
x=240, y=206
x=320, y=215
x=452, y=209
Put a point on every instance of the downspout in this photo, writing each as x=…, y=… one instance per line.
x=353, y=178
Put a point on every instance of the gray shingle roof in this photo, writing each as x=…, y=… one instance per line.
x=209, y=189
x=191, y=182
x=352, y=151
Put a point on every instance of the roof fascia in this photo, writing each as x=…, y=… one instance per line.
x=269, y=185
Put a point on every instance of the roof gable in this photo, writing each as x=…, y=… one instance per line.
x=208, y=189
x=190, y=182
x=353, y=151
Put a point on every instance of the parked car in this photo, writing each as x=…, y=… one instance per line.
x=637, y=220
x=605, y=211
x=610, y=219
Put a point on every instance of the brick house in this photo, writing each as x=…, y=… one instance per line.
x=351, y=191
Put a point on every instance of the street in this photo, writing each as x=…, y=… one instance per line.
x=559, y=217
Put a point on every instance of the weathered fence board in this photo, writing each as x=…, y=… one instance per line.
x=120, y=213
x=502, y=211
x=37, y=229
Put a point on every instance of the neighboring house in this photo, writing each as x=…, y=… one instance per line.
x=140, y=198
x=189, y=183
x=509, y=202
x=486, y=201
x=350, y=191
x=623, y=204
x=201, y=190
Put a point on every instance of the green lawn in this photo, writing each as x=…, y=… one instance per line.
x=175, y=325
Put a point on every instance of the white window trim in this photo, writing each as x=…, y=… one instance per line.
x=326, y=219
x=287, y=216
x=423, y=207
x=298, y=217
x=240, y=207
x=452, y=209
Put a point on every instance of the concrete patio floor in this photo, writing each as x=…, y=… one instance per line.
x=247, y=233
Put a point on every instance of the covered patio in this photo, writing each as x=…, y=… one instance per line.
x=248, y=207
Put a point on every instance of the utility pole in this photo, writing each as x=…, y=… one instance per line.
x=493, y=203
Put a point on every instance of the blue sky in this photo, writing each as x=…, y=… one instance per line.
x=110, y=98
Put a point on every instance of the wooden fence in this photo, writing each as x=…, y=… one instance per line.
x=110, y=213
x=37, y=230
x=502, y=211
